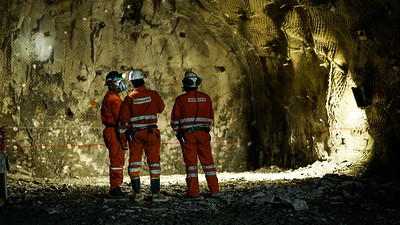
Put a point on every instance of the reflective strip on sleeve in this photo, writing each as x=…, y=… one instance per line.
x=192, y=175
x=149, y=117
x=154, y=165
x=116, y=168
x=212, y=173
x=132, y=170
x=122, y=124
x=135, y=163
x=174, y=122
x=192, y=168
x=208, y=167
x=121, y=131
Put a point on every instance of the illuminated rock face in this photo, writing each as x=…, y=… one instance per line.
x=280, y=76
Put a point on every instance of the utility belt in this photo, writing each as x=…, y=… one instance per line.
x=180, y=135
x=194, y=129
x=131, y=131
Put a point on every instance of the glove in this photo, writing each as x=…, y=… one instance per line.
x=124, y=146
x=180, y=136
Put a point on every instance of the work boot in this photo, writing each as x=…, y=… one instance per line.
x=116, y=192
x=155, y=190
x=138, y=197
x=192, y=198
x=159, y=198
x=136, y=189
x=216, y=195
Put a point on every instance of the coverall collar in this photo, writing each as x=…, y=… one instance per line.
x=191, y=91
x=112, y=92
x=140, y=88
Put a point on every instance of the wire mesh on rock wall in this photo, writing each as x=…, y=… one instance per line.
x=57, y=54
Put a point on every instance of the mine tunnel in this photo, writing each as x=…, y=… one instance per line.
x=305, y=96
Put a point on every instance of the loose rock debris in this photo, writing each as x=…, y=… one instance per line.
x=329, y=199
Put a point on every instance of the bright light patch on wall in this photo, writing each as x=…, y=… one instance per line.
x=43, y=46
x=354, y=117
x=350, y=131
x=357, y=118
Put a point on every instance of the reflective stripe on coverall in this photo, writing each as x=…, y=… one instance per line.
x=109, y=114
x=139, y=111
x=188, y=113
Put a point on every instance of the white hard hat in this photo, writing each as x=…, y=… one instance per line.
x=136, y=75
x=191, y=80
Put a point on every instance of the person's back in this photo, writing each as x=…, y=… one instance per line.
x=138, y=126
x=144, y=105
x=195, y=110
x=191, y=118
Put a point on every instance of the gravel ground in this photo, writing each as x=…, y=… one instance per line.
x=323, y=193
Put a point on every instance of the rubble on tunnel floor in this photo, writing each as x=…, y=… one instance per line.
x=247, y=198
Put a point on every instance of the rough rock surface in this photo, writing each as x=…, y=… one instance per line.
x=268, y=196
x=280, y=74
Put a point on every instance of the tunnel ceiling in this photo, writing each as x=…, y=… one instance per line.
x=292, y=82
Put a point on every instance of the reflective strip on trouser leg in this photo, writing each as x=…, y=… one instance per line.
x=116, y=155
x=192, y=180
x=210, y=170
x=206, y=159
x=134, y=169
x=211, y=177
x=155, y=170
x=189, y=150
x=116, y=176
x=135, y=155
x=151, y=148
x=192, y=171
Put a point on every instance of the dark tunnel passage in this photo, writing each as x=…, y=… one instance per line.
x=305, y=96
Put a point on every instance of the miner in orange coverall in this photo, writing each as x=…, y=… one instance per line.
x=109, y=115
x=138, y=125
x=191, y=118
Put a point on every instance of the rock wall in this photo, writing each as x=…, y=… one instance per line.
x=57, y=53
x=284, y=77
x=330, y=76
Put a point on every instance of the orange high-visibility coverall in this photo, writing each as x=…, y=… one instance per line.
x=139, y=111
x=191, y=113
x=109, y=115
